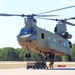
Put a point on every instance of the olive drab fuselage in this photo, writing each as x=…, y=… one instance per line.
x=40, y=40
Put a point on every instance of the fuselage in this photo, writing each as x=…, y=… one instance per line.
x=42, y=41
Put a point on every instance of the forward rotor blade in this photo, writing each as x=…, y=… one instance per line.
x=3, y=14
x=70, y=23
x=46, y=15
x=71, y=18
x=57, y=9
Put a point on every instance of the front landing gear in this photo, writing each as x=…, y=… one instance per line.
x=28, y=55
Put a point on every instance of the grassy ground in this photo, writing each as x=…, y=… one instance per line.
x=22, y=64
x=12, y=64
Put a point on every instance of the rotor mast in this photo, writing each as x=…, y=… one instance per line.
x=30, y=22
x=60, y=28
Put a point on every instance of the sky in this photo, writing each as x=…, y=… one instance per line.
x=10, y=26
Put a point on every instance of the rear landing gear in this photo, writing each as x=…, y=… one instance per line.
x=69, y=58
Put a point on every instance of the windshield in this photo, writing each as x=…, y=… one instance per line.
x=27, y=31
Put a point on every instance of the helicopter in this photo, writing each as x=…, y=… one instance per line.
x=41, y=41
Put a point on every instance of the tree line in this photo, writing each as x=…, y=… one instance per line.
x=12, y=54
x=19, y=54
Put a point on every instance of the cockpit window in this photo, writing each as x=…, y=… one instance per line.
x=35, y=32
x=32, y=31
x=23, y=31
x=28, y=31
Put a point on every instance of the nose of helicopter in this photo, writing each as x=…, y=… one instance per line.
x=27, y=37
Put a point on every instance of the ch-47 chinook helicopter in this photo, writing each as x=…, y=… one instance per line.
x=42, y=41
x=39, y=40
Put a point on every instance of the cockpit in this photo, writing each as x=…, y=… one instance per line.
x=27, y=31
x=31, y=31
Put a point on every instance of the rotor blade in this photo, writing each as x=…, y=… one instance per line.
x=3, y=14
x=46, y=15
x=58, y=20
x=71, y=18
x=48, y=19
x=57, y=9
x=70, y=23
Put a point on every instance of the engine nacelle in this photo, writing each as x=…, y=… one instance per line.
x=66, y=35
x=69, y=36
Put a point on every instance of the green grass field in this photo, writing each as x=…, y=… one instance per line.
x=22, y=64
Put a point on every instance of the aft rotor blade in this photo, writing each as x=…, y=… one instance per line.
x=57, y=9
x=48, y=19
x=70, y=23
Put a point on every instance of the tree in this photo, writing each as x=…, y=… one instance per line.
x=73, y=52
x=8, y=53
x=18, y=54
x=64, y=58
x=21, y=54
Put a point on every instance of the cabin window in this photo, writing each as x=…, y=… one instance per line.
x=42, y=35
x=60, y=42
x=64, y=44
x=67, y=43
x=48, y=38
x=54, y=40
